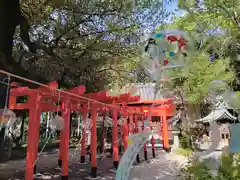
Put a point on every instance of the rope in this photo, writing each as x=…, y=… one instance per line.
x=61, y=91
x=49, y=137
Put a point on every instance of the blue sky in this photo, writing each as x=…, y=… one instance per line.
x=173, y=7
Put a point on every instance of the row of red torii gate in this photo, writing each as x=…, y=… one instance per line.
x=45, y=99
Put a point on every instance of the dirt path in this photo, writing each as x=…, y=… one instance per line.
x=163, y=167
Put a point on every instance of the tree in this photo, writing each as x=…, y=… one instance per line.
x=208, y=30
x=212, y=35
x=75, y=42
x=10, y=18
x=221, y=17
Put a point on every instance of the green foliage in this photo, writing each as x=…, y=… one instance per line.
x=229, y=169
x=184, y=152
x=203, y=24
x=198, y=74
x=184, y=142
x=88, y=42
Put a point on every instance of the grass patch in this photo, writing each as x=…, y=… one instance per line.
x=184, y=152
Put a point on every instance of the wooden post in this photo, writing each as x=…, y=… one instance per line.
x=145, y=146
x=103, y=135
x=165, y=132
x=152, y=138
x=37, y=124
x=83, y=142
x=94, y=141
x=130, y=125
x=125, y=132
x=60, y=149
x=136, y=131
x=115, y=138
x=65, y=132
x=34, y=118
x=61, y=137
x=120, y=141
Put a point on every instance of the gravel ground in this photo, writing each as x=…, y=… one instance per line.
x=164, y=167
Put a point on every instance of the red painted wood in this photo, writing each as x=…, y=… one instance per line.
x=53, y=86
x=19, y=106
x=125, y=132
x=115, y=135
x=155, y=111
x=83, y=142
x=66, y=116
x=32, y=141
x=79, y=90
x=150, y=120
x=165, y=131
x=94, y=137
x=60, y=148
x=145, y=146
x=103, y=137
x=73, y=103
x=130, y=126
x=21, y=91
x=162, y=101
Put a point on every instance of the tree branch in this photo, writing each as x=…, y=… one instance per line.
x=230, y=16
x=57, y=39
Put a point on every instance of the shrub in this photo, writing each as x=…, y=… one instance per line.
x=184, y=142
x=229, y=169
x=184, y=152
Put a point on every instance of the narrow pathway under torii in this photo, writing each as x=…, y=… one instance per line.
x=159, y=168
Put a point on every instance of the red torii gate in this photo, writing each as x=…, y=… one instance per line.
x=161, y=108
x=103, y=97
x=35, y=106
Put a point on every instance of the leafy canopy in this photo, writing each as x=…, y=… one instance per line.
x=210, y=32
x=87, y=42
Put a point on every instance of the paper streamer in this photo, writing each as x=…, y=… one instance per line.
x=136, y=143
x=7, y=118
x=108, y=122
x=56, y=123
x=121, y=121
x=88, y=124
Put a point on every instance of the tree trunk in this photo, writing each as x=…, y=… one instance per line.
x=10, y=17
x=191, y=112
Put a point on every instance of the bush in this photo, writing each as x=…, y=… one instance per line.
x=184, y=152
x=184, y=142
x=229, y=169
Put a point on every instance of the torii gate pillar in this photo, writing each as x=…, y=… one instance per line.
x=65, y=146
x=33, y=133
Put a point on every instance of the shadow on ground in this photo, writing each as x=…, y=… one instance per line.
x=162, y=167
